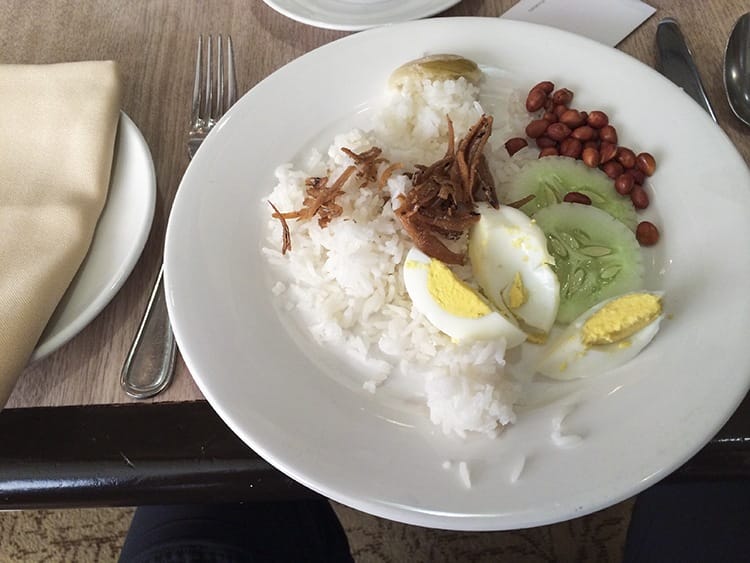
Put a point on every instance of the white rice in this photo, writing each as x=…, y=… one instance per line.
x=517, y=469
x=463, y=472
x=565, y=440
x=345, y=281
x=560, y=439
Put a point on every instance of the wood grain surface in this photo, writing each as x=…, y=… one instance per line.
x=154, y=43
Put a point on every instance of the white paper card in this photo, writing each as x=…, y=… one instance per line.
x=606, y=21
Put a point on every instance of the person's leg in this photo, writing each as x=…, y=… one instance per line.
x=690, y=522
x=262, y=531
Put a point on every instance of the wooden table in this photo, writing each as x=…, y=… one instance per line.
x=154, y=43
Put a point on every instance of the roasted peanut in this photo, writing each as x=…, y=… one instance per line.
x=571, y=147
x=559, y=109
x=546, y=86
x=590, y=145
x=572, y=118
x=590, y=157
x=558, y=131
x=535, y=100
x=597, y=119
x=537, y=128
x=612, y=169
x=582, y=133
x=637, y=175
x=646, y=233
x=515, y=144
x=646, y=163
x=608, y=134
x=577, y=197
x=639, y=197
x=626, y=157
x=545, y=142
x=549, y=151
x=562, y=96
x=550, y=116
x=624, y=184
x=607, y=152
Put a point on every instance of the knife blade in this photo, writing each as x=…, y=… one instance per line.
x=676, y=63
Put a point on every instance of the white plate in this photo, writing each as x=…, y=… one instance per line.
x=638, y=423
x=119, y=238
x=353, y=15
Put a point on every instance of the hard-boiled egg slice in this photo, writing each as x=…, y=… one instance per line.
x=606, y=336
x=510, y=262
x=451, y=305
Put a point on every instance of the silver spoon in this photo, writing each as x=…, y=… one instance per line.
x=737, y=69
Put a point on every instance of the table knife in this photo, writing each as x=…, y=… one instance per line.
x=676, y=63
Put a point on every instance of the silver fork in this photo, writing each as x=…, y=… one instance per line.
x=149, y=366
x=207, y=109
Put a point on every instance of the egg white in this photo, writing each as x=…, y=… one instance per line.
x=462, y=329
x=568, y=358
x=506, y=242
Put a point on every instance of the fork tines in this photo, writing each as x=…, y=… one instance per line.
x=215, y=86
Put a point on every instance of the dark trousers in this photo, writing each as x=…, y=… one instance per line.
x=228, y=533
x=693, y=522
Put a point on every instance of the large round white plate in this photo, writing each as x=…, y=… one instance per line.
x=353, y=15
x=118, y=241
x=285, y=399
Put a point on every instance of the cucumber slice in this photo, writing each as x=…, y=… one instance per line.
x=551, y=177
x=596, y=256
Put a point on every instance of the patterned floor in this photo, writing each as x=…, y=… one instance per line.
x=96, y=535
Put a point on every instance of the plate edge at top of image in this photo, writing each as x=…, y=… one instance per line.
x=360, y=15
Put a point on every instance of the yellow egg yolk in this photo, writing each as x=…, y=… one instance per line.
x=621, y=318
x=537, y=337
x=517, y=294
x=453, y=295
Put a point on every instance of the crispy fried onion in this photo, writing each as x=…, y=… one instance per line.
x=442, y=200
x=320, y=198
x=367, y=164
x=286, y=238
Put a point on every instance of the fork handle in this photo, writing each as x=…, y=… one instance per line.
x=150, y=362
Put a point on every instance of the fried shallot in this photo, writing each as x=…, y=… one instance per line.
x=286, y=238
x=442, y=200
x=367, y=164
x=320, y=199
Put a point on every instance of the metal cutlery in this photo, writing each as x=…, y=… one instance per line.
x=150, y=362
x=676, y=63
x=737, y=69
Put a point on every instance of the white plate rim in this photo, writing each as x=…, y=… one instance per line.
x=375, y=13
x=132, y=191
x=731, y=396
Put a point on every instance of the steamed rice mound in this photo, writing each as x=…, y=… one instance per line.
x=345, y=281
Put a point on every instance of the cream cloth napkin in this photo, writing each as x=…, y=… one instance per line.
x=57, y=132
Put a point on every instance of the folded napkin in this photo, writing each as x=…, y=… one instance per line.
x=57, y=133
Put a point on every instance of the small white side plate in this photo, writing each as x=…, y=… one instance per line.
x=118, y=240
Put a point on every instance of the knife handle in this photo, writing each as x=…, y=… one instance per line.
x=676, y=63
